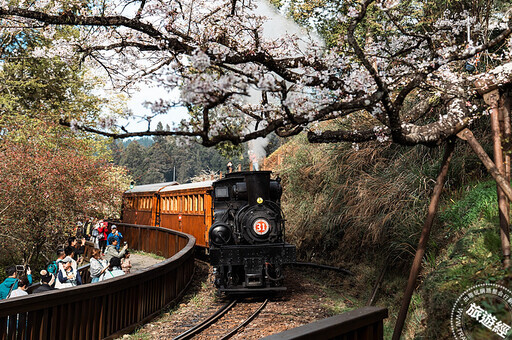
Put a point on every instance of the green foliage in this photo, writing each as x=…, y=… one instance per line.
x=480, y=202
x=363, y=206
x=159, y=160
x=50, y=176
x=329, y=18
x=473, y=259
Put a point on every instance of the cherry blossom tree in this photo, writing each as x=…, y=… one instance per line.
x=46, y=187
x=388, y=75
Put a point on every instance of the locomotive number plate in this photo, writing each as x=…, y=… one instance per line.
x=261, y=226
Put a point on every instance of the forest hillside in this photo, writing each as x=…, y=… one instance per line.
x=164, y=159
x=362, y=207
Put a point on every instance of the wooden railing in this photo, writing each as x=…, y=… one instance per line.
x=360, y=324
x=112, y=307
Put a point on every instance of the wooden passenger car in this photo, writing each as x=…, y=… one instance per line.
x=182, y=207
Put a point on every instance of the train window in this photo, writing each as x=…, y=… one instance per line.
x=190, y=202
x=221, y=192
x=195, y=203
x=201, y=202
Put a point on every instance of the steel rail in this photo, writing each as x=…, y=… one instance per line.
x=246, y=322
x=322, y=266
x=207, y=322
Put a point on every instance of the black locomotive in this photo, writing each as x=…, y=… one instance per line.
x=247, y=248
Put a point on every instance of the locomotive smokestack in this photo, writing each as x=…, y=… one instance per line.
x=258, y=184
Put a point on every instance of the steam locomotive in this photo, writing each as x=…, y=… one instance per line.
x=237, y=219
x=247, y=248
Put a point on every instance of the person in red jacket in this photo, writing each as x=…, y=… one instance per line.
x=102, y=235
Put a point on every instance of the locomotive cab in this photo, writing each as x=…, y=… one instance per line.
x=247, y=248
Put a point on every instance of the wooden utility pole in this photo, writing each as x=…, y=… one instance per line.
x=468, y=136
x=422, y=245
x=491, y=95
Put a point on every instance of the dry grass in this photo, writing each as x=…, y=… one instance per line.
x=344, y=202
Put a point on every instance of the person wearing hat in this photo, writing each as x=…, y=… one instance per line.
x=47, y=281
x=115, y=234
x=68, y=276
x=112, y=249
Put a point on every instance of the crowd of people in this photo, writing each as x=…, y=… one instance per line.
x=108, y=260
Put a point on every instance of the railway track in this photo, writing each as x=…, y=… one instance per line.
x=321, y=266
x=298, y=264
x=232, y=316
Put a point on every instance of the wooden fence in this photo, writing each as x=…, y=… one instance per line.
x=109, y=308
x=360, y=324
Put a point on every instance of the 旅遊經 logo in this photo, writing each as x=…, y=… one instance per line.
x=483, y=311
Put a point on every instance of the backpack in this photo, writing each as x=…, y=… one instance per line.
x=95, y=232
x=52, y=268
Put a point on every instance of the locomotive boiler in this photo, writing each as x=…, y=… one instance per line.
x=247, y=248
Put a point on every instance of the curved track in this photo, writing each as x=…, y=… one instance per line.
x=226, y=315
x=207, y=322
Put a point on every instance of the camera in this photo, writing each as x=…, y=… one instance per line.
x=20, y=269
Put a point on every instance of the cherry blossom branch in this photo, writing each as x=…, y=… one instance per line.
x=394, y=119
x=330, y=136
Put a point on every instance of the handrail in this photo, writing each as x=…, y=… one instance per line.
x=110, y=308
x=364, y=323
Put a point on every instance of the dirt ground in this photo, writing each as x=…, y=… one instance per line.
x=312, y=295
x=142, y=261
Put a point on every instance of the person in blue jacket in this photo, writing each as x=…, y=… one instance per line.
x=11, y=282
x=116, y=235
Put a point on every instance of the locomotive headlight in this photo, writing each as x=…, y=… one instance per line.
x=259, y=200
x=261, y=226
x=220, y=234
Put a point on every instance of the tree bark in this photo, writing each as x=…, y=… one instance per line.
x=503, y=202
x=422, y=245
x=468, y=136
